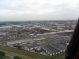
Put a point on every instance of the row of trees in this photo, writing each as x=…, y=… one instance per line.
x=3, y=56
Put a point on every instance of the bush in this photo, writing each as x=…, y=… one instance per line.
x=2, y=55
x=17, y=57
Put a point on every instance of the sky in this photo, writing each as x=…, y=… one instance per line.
x=24, y=10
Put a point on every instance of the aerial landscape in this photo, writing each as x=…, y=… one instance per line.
x=37, y=29
x=44, y=38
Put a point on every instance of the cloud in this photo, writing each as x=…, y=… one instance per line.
x=39, y=9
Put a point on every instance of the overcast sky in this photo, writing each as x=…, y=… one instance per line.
x=23, y=10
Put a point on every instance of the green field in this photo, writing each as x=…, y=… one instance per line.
x=27, y=55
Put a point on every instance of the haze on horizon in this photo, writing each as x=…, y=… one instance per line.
x=25, y=10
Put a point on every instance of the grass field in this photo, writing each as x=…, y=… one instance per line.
x=27, y=55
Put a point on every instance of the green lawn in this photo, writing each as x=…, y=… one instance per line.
x=29, y=55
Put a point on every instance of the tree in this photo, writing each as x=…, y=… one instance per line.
x=2, y=55
x=17, y=57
